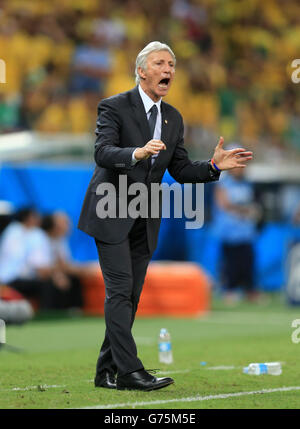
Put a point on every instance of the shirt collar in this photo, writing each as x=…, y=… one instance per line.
x=148, y=103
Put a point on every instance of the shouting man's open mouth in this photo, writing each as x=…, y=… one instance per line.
x=164, y=83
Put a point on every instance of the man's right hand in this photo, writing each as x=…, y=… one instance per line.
x=153, y=147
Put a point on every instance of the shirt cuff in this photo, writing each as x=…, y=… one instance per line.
x=133, y=160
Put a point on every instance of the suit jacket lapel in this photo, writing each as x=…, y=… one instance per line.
x=140, y=116
x=165, y=127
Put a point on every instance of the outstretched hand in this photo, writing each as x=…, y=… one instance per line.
x=232, y=158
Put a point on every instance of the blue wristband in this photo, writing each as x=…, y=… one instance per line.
x=215, y=165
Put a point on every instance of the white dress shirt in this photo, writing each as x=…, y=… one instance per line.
x=148, y=104
x=19, y=257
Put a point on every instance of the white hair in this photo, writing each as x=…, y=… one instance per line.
x=141, y=59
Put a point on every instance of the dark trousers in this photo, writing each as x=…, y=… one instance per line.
x=124, y=267
x=49, y=296
x=238, y=266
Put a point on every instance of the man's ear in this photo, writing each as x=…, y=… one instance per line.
x=142, y=73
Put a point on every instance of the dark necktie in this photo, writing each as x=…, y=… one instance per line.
x=152, y=119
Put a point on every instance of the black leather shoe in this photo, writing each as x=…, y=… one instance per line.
x=142, y=380
x=105, y=379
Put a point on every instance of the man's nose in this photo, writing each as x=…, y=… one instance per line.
x=167, y=69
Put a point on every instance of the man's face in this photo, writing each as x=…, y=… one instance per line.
x=159, y=74
x=62, y=225
x=33, y=220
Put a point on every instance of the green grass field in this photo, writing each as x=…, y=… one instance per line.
x=56, y=367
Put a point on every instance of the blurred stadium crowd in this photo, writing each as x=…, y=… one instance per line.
x=234, y=63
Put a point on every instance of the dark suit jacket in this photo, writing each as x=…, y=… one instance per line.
x=122, y=126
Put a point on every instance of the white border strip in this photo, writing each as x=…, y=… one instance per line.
x=36, y=387
x=222, y=367
x=182, y=371
x=194, y=398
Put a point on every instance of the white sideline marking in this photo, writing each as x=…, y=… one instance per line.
x=43, y=386
x=182, y=371
x=194, y=398
x=223, y=367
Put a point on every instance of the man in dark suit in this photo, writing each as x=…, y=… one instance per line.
x=138, y=137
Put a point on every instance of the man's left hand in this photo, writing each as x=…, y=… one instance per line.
x=233, y=158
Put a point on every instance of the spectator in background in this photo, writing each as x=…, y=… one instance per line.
x=54, y=244
x=26, y=264
x=296, y=217
x=9, y=113
x=105, y=24
x=6, y=214
x=91, y=65
x=292, y=289
x=13, y=308
x=15, y=244
x=235, y=217
x=16, y=269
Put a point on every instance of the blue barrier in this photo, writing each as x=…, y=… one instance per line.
x=48, y=187
x=270, y=254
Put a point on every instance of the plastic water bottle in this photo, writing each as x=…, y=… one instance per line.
x=273, y=368
x=165, y=354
